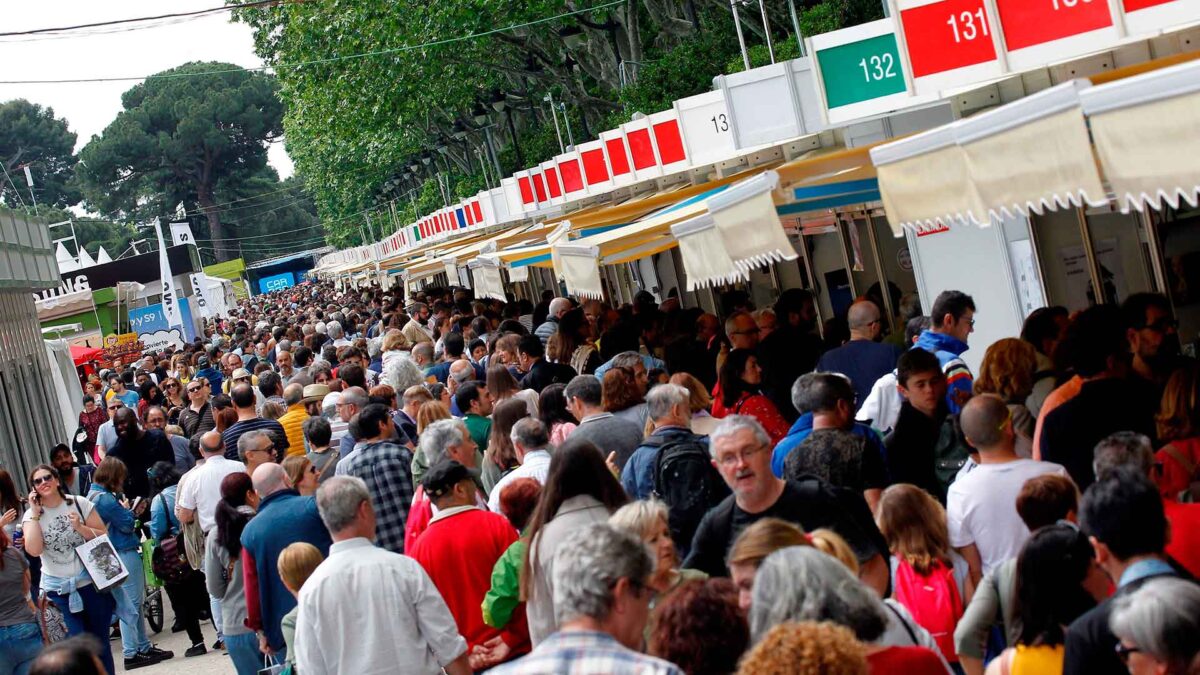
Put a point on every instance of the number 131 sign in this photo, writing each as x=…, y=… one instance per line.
x=948, y=42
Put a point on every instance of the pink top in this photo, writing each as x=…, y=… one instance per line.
x=560, y=431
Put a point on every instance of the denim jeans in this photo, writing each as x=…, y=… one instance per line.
x=243, y=650
x=130, y=593
x=95, y=618
x=214, y=608
x=19, y=646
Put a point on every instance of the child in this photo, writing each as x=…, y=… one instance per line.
x=296, y=564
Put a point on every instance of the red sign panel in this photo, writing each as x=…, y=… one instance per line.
x=669, y=142
x=641, y=149
x=572, y=177
x=1028, y=23
x=539, y=187
x=947, y=35
x=469, y=214
x=477, y=210
x=526, y=189
x=552, y=183
x=616, y=156
x=594, y=166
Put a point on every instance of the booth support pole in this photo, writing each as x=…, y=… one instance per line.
x=1085, y=234
x=737, y=24
x=883, y=280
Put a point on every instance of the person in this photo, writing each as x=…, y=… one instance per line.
x=149, y=394
x=302, y=473
x=283, y=517
x=116, y=389
x=928, y=577
x=156, y=418
x=1122, y=515
x=670, y=415
x=78, y=655
x=459, y=550
x=699, y=627
x=473, y=399
x=863, y=359
x=210, y=374
x=753, y=545
x=540, y=373
x=107, y=498
x=574, y=343
x=1178, y=426
x=386, y=469
x=832, y=451
x=952, y=322
x=1007, y=371
x=923, y=448
x=803, y=584
x=76, y=479
x=807, y=648
x=528, y=442
x=555, y=414
x=557, y=310
x=197, y=418
x=255, y=448
x=699, y=402
x=1044, y=329
x=292, y=421
x=619, y=437
x=981, y=506
x=1153, y=336
x=791, y=350
x=242, y=396
x=503, y=386
x=321, y=454
x=296, y=564
x=1157, y=627
x=740, y=448
x=579, y=490
x=624, y=395
x=197, y=499
x=20, y=634
x=600, y=596
x=366, y=609
x=188, y=596
x=453, y=348
x=441, y=440
x=346, y=406
x=740, y=378
x=138, y=449
x=53, y=527
x=1057, y=581
x=90, y=418
x=405, y=417
x=503, y=599
x=647, y=520
x=882, y=406
x=224, y=574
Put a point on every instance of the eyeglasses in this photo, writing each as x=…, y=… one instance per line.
x=192, y=390
x=116, y=407
x=1162, y=325
x=732, y=458
x=748, y=331
x=312, y=469
x=38, y=480
x=1123, y=651
x=171, y=385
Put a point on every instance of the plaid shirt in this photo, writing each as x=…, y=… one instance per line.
x=585, y=653
x=386, y=469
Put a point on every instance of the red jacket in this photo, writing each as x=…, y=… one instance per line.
x=459, y=551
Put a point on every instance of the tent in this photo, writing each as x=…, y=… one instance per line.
x=81, y=355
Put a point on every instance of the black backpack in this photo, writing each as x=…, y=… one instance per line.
x=687, y=482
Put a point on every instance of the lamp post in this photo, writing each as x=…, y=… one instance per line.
x=557, y=132
x=567, y=121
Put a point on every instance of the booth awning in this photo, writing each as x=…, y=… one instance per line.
x=81, y=355
x=924, y=181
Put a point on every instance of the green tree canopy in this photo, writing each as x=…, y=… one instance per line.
x=31, y=135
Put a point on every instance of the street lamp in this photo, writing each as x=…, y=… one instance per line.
x=549, y=97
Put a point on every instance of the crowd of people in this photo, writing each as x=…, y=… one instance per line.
x=352, y=481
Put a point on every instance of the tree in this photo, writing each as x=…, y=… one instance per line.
x=183, y=133
x=31, y=135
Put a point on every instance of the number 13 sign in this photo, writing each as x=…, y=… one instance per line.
x=948, y=42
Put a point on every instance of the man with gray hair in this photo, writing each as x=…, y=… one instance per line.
x=444, y=439
x=461, y=372
x=366, y=609
x=558, y=307
x=337, y=334
x=585, y=400
x=667, y=407
x=741, y=450
x=601, y=603
x=531, y=443
x=348, y=405
x=864, y=359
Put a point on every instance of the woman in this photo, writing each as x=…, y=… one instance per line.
x=1158, y=625
x=92, y=388
x=301, y=472
x=517, y=503
x=1178, y=423
x=804, y=584
x=383, y=393
x=647, y=519
x=181, y=369
x=440, y=393
x=1007, y=371
x=579, y=491
x=700, y=628
x=188, y=597
x=503, y=386
x=108, y=498
x=575, y=343
x=10, y=505
x=90, y=419
x=430, y=412
x=501, y=457
x=623, y=397
x=740, y=379
x=807, y=648
x=699, y=401
x=552, y=410
x=223, y=570
x=296, y=564
x=173, y=392
x=53, y=527
x=400, y=372
x=753, y=546
x=150, y=395
x=20, y=635
x=1057, y=581
x=225, y=418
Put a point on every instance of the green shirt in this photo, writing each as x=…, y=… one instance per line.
x=480, y=428
x=505, y=594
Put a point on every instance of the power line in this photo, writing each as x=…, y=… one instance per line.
x=332, y=59
x=269, y=234
x=115, y=22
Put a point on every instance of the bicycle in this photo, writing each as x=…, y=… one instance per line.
x=152, y=606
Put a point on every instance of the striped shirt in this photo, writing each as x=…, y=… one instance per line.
x=231, y=435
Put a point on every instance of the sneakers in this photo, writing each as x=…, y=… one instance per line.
x=196, y=650
x=219, y=644
x=148, y=658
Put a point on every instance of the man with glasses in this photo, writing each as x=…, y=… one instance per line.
x=117, y=390
x=1153, y=336
x=76, y=480
x=952, y=322
x=197, y=418
x=741, y=450
x=864, y=359
x=157, y=419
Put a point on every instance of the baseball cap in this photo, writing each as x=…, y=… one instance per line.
x=441, y=478
x=202, y=362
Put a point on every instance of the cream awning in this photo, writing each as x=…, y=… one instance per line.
x=924, y=181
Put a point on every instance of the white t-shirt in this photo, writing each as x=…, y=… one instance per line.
x=59, y=558
x=202, y=488
x=981, y=508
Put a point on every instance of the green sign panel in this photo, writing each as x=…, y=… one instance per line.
x=861, y=71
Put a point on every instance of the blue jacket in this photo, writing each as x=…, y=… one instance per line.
x=638, y=475
x=803, y=427
x=948, y=350
x=118, y=519
x=283, y=518
x=214, y=377
x=162, y=514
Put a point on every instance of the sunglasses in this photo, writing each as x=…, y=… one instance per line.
x=115, y=407
x=38, y=480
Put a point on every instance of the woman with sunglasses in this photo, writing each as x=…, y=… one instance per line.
x=175, y=400
x=53, y=527
x=302, y=473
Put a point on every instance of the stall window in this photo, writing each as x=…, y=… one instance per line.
x=1118, y=249
x=1180, y=236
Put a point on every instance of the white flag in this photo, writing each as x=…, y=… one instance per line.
x=200, y=294
x=181, y=233
x=170, y=295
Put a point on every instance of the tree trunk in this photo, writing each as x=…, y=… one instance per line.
x=204, y=195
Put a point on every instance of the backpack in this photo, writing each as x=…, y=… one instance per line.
x=950, y=453
x=1191, y=494
x=933, y=600
x=687, y=482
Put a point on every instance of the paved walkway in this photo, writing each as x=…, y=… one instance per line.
x=212, y=663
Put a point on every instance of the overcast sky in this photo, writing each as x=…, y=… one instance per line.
x=90, y=107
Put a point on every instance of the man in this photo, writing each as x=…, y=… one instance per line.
x=284, y=365
x=442, y=440
x=742, y=331
x=668, y=408
x=923, y=448
x=157, y=419
x=474, y=400
x=270, y=386
x=863, y=359
x=558, y=307
x=406, y=416
x=1122, y=514
x=242, y=397
x=882, y=407
x=981, y=507
x=116, y=389
x=696, y=353
x=616, y=436
x=351, y=365
x=531, y=444
x=415, y=330
x=283, y=518
x=106, y=435
x=366, y=609
x=453, y=348
x=197, y=417
x=75, y=479
x=1153, y=336
x=243, y=376
x=833, y=451
x=952, y=322
x=807, y=392
x=790, y=350
x=458, y=550
x=422, y=355
x=139, y=449
x=741, y=450
x=198, y=496
x=1108, y=400
x=206, y=372
x=386, y=469
x=637, y=363
x=255, y=448
x=153, y=370
x=540, y=373
x=336, y=334
x=602, y=601
x=461, y=372
x=292, y=421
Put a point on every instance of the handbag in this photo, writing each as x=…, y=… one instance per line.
x=169, y=561
x=271, y=666
x=51, y=620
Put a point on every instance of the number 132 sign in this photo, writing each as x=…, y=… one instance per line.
x=948, y=42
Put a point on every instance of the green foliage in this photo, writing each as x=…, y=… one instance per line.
x=32, y=135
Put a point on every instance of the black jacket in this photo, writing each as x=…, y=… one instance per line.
x=543, y=374
x=1091, y=645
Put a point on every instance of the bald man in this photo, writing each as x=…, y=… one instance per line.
x=863, y=359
